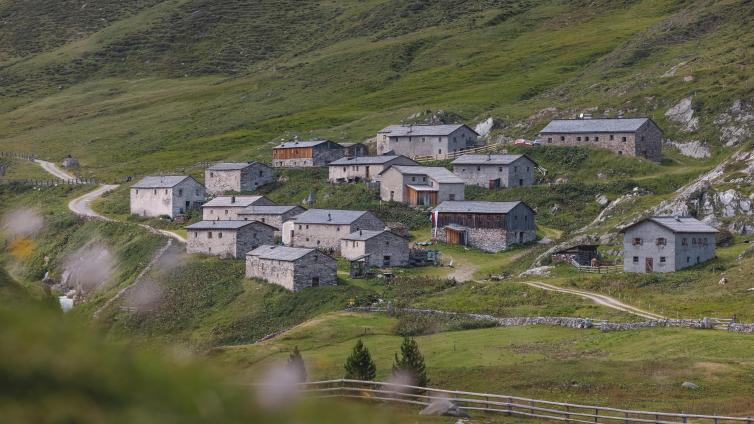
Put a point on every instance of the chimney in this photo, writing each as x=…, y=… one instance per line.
x=678, y=218
x=361, y=233
x=329, y=217
x=489, y=156
x=232, y=199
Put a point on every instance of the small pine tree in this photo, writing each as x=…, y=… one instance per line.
x=360, y=366
x=411, y=362
x=296, y=365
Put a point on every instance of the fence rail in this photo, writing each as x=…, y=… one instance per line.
x=487, y=148
x=502, y=404
x=49, y=182
x=14, y=155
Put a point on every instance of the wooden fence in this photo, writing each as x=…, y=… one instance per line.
x=501, y=404
x=488, y=148
x=14, y=155
x=49, y=182
x=602, y=269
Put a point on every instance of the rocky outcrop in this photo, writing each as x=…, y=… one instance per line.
x=682, y=113
x=483, y=128
x=694, y=149
x=736, y=124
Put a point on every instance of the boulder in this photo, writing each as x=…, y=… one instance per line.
x=683, y=114
x=555, y=208
x=694, y=149
x=689, y=385
x=539, y=271
x=602, y=200
x=483, y=128
x=445, y=408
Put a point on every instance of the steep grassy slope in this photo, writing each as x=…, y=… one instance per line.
x=183, y=81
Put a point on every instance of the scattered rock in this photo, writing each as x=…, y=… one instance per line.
x=737, y=124
x=689, y=385
x=671, y=72
x=683, y=114
x=688, y=78
x=723, y=281
x=555, y=208
x=601, y=175
x=544, y=240
x=483, y=128
x=444, y=408
x=695, y=149
x=602, y=200
x=540, y=271
x=562, y=180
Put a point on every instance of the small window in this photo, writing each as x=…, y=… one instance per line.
x=337, y=228
x=413, y=179
x=219, y=235
x=155, y=191
x=261, y=173
x=688, y=259
x=562, y=138
x=451, y=197
x=642, y=138
x=300, y=226
x=307, y=226
x=549, y=139
x=196, y=234
x=211, y=174
x=662, y=259
x=636, y=259
x=684, y=242
x=578, y=138
x=586, y=138
x=612, y=137
x=623, y=139
x=226, y=211
x=439, y=151
x=478, y=168
x=596, y=138
x=662, y=241
x=500, y=169
x=166, y=191
x=263, y=220
x=620, y=152
x=693, y=241
x=137, y=191
x=637, y=241
x=209, y=234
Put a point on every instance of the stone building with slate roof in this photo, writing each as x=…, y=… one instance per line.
x=382, y=249
x=495, y=171
x=324, y=228
x=488, y=226
x=228, y=239
x=312, y=153
x=294, y=268
x=236, y=177
x=364, y=168
x=167, y=195
x=271, y=215
x=420, y=185
x=228, y=207
x=425, y=140
x=625, y=136
x=667, y=244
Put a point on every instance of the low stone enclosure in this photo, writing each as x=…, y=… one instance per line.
x=586, y=323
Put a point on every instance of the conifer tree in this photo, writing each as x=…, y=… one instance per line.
x=411, y=362
x=360, y=366
x=296, y=365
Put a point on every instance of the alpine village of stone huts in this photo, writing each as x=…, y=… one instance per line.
x=296, y=247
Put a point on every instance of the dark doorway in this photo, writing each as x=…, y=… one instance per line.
x=315, y=281
x=386, y=261
x=649, y=264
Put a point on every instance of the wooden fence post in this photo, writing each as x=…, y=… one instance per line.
x=568, y=414
x=596, y=415
x=625, y=417
x=510, y=407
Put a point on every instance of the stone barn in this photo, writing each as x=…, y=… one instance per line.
x=667, y=244
x=364, y=168
x=495, y=171
x=488, y=226
x=425, y=140
x=228, y=239
x=382, y=249
x=294, y=268
x=420, y=185
x=70, y=162
x=236, y=177
x=303, y=154
x=582, y=254
x=228, y=207
x=271, y=215
x=324, y=228
x=625, y=136
x=355, y=149
x=166, y=195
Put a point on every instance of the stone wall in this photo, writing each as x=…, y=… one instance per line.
x=172, y=201
x=519, y=173
x=377, y=247
x=229, y=243
x=326, y=236
x=248, y=179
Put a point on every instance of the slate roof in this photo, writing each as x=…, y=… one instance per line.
x=226, y=201
x=306, y=143
x=328, y=216
x=476, y=206
x=364, y=235
x=231, y=166
x=437, y=173
x=221, y=225
x=365, y=160
x=598, y=125
x=677, y=224
x=421, y=187
x=160, y=181
x=422, y=130
x=488, y=159
x=280, y=253
x=266, y=210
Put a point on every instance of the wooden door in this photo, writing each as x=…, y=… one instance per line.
x=649, y=264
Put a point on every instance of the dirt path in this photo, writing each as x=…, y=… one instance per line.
x=599, y=299
x=53, y=170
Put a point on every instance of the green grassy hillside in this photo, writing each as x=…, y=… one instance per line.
x=162, y=85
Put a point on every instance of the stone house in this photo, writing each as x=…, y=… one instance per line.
x=302, y=154
x=420, y=185
x=364, y=168
x=425, y=140
x=228, y=239
x=168, y=195
x=355, y=149
x=488, y=226
x=70, y=162
x=625, y=136
x=495, y=171
x=228, y=207
x=382, y=249
x=324, y=228
x=294, y=268
x=667, y=244
x=271, y=215
x=236, y=177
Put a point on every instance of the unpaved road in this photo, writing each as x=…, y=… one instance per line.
x=82, y=205
x=599, y=299
x=53, y=170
